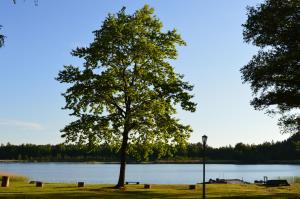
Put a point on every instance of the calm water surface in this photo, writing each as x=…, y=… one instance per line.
x=146, y=173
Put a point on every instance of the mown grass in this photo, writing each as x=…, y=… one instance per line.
x=54, y=190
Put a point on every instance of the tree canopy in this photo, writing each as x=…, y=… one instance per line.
x=274, y=73
x=126, y=92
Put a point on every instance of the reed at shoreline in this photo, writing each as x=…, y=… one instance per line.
x=14, y=177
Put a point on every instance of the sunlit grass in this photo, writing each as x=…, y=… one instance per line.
x=55, y=190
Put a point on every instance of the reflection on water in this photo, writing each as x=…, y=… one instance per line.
x=146, y=173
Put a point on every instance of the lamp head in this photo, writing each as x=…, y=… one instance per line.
x=204, y=139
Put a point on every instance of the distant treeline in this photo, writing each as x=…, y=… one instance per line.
x=287, y=151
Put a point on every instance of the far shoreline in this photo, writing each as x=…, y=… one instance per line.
x=235, y=162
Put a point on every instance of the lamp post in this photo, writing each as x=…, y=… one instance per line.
x=204, y=139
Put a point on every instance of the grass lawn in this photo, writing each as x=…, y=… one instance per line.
x=54, y=190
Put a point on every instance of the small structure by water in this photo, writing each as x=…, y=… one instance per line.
x=227, y=181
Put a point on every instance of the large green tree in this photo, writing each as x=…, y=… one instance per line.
x=274, y=73
x=126, y=92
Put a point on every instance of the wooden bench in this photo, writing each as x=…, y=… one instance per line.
x=277, y=183
x=39, y=184
x=80, y=184
x=192, y=186
x=132, y=182
x=147, y=186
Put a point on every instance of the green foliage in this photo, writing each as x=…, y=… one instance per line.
x=127, y=89
x=297, y=144
x=274, y=73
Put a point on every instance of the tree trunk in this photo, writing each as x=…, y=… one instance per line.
x=123, y=154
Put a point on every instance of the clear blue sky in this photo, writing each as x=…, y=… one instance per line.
x=40, y=38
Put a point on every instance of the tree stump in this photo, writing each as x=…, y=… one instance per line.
x=39, y=184
x=5, y=181
x=192, y=186
x=147, y=186
x=80, y=184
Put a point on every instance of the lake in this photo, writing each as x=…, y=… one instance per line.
x=146, y=173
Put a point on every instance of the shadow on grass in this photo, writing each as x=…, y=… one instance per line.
x=168, y=192
x=274, y=196
x=138, y=194
x=125, y=195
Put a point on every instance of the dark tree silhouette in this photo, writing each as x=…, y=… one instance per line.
x=274, y=73
x=287, y=151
